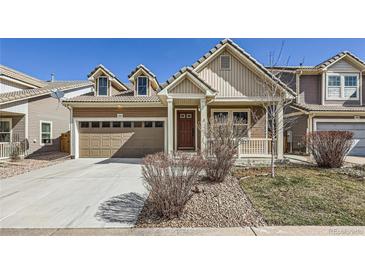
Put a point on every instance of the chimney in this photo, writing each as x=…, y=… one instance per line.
x=52, y=77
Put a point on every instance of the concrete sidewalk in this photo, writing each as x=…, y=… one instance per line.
x=231, y=231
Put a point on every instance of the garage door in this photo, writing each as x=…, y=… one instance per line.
x=357, y=128
x=120, y=139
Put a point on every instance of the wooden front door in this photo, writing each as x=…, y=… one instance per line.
x=185, y=129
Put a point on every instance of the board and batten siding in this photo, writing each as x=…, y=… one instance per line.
x=342, y=66
x=237, y=82
x=186, y=86
x=111, y=112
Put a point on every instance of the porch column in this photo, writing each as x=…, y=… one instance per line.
x=203, y=123
x=170, y=125
x=280, y=131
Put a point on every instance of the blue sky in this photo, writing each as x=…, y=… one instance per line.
x=73, y=59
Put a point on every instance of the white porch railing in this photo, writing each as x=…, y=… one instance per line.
x=254, y=147
x=6, y=149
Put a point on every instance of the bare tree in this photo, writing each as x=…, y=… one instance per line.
x=275, y=101
x=223, y=135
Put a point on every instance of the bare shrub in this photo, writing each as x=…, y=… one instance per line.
x=16, y=151
x=169, y=179
x=223, y=138
x=329, y=148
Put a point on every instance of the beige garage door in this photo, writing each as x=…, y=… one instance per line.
x=120, y=139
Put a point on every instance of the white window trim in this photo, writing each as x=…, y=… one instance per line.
x=342, y=87
x=230, y=115
x=148, y=82
x=40, y=132
x=11, y=128
x=107, y=86
x=230, y=62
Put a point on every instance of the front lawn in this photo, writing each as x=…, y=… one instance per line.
x=305, y=196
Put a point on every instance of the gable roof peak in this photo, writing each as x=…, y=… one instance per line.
x=339, y=55
x=141, y=66
x=102, y=67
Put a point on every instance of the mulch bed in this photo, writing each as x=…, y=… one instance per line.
x=13, y=168
x=214, y=205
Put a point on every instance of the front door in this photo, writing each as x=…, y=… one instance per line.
x=185, y=129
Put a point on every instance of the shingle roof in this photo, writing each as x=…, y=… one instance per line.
x=100, y=66
x=141, y=66
x=113, y=99
x=333, y=59
x=28, y=93
x=312, y=107
x=248, y=56
x=17, y=75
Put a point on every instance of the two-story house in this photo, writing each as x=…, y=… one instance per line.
x=329, y=96
x=144, y=116
x=29, y=115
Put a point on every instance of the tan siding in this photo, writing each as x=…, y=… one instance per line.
x=127, y=112
x=46, y=108
x=342, y=66
x=186, y=86
x=239, y=81
x=310, y=89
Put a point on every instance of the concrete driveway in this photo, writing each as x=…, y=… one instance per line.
x=88, y=193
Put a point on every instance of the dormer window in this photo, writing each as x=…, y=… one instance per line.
x=142, y=85
x=102, y=87
x=342, y=86
x=225, y=62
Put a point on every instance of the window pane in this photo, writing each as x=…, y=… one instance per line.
x=46, y=127
x=4, y=126
x=142, y=85
x=105, y=124
x=95, y=124
x=4, y=137
x=137, y=124
x=84, y=124
x=46, y=138
x=334, y=92
x=351, y=81
x=148, y=124
x=159, y=124
x=220, y=116
x=350, y=92
x=103, y=86
x=240, y=117
x=334, y=81
x=117, y=124
x=127, y=124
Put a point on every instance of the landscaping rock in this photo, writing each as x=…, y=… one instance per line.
x=212, y=205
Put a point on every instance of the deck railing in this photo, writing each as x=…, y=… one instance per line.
x=254, y=147
x=7, y=149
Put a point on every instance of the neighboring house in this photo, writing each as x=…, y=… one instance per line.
x=330, y=96
x=29, y=114
x=143, y=116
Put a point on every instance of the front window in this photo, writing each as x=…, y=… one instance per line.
x=342, y=87
x=142, y=85
x=102, y=85
x=238, y=118
x=46, y=133
x=5, y=131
